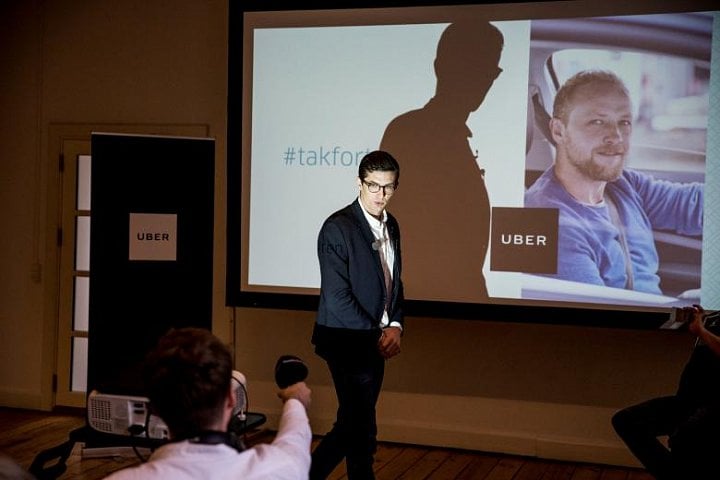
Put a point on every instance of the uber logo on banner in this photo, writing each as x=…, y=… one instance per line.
x=524, y=240
x=153, y=236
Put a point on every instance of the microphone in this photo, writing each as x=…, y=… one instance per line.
x=240, y=385
x=377, y=244
x=290, y=370
x=239, y=414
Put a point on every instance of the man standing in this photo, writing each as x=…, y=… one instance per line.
x=607, y=212
x=359, y=321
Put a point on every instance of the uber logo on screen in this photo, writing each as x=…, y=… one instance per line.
x=153, y=236
x=524, y=240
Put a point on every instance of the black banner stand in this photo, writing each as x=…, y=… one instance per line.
x=151, y=244
x=151, y=268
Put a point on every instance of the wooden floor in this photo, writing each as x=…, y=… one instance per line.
x=25, y=433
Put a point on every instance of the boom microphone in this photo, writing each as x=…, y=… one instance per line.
x=290, y=370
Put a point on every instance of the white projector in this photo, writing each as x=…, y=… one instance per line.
x=124, y=415
x=129, y=415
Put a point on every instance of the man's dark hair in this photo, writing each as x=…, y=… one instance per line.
x=187, y=378
x=378, y=161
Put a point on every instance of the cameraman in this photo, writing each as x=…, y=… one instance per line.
x=690, y=419
x=188, y=380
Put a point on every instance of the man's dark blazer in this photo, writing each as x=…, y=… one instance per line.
x=352, y=288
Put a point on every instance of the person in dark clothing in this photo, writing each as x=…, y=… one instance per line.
x=690, y=419
x=360, y=318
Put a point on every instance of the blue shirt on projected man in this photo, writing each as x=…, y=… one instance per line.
x=607, y=212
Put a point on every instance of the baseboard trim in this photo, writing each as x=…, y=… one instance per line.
x=20, y=399
x=551, y=431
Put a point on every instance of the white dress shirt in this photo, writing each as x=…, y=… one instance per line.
x=384, y=246
x=286, y=458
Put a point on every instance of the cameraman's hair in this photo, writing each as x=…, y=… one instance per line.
x=568, y=93
x=378, y=161
x=187, y=377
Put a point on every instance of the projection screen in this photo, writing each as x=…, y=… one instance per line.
x=312, y=90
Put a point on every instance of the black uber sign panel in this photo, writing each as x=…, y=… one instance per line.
x=524, y=240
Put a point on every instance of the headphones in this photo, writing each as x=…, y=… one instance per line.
x=215, y=437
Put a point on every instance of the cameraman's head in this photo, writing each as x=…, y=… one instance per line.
x=188, y=380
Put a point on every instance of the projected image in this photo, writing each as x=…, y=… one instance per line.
x=601, y=208
x=619, y=152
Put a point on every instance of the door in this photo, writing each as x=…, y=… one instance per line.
x=74, y=273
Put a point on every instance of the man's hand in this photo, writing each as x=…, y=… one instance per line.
x=389, y=343
x=299, y=391
x=697, y=324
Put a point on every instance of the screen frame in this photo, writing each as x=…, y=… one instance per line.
x=625, y=317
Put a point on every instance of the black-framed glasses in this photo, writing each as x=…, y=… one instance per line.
x=373, y=187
